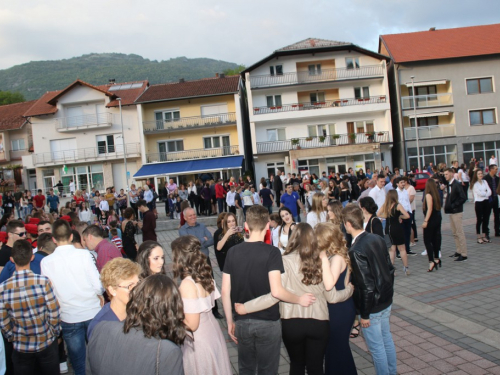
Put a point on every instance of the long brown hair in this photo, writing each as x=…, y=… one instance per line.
x=332, y=241
x=391, y=199
x=475, y=178
x=431, y=188
x=155, y=307
x=317, y=205
x=225, y=228
x=304, y=241
x=336, y=208
x=188, y=260
x=143, y=258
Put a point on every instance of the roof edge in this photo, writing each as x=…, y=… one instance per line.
x=185, y=97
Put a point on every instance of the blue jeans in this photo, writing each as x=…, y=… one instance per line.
x=378, y=338
x=296, y=219
x=18, y=209
x=220, y=203
x=259, y=344
x=75, y=336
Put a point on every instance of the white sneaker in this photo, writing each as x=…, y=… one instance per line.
x=424, y=252
x=63, y=367
x=413, y=244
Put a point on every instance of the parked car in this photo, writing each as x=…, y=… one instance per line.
x=420, y=180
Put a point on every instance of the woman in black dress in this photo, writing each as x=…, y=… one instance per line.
x=393, y=211
x=216, y=236
x=372, y=222
x=128, y=233
x=231, y=235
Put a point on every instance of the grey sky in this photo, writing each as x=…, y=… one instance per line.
x=230, y=30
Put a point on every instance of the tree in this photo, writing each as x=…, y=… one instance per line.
x=7, y=97
x=237, y=70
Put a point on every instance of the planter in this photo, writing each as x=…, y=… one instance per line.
x=322, y=138
x=309, y=139
x=279, y=107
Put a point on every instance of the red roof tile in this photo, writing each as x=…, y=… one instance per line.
x=443, y=44
x=78, y=82
x=128, y=96
x=11, y=115
x=41, y=106
x=190, y=89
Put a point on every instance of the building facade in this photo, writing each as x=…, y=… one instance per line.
x=81, y=134
x=455, y=99
x=319, y=105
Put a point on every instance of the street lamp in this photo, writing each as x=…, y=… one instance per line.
x=124, y=149
x=416, y=122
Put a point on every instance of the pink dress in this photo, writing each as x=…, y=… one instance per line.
x=207, y=354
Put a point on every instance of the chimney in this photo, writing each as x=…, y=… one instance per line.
x=112, y=81
x=181, y=80
x=216, y=75
x=222, y=75
x=432, y=29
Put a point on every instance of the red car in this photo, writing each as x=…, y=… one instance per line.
x=421, y=180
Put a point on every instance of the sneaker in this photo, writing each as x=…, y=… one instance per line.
x=411, y=253
x=455, y=255
x=406, y=270
x=424, y=252
x=413, y=244
x=63, y=367
x=461, y=259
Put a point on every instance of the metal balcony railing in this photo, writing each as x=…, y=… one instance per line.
x=188, y=123
x=192, y=154
x=433, y=131
x=322, y=141
x=84, y=121
x=86, y=154
x=319, y=105
x=424, y=101
x=294, y=78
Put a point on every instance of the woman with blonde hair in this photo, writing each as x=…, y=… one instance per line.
x=231, y=235
x=392, y=210
x=207, y=352
x=317, y=214
x=338, y=356
x=324, y=187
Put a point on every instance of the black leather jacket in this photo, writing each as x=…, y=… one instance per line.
x=372, y=274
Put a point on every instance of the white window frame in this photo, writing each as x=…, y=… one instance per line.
x=361, y=88
x=273, y=97
x=484, y=109
x=477, y=78
x=275, y=71
x=171, y=110
x=169, y=140
x=17, y=142
x=276, y=130
x=317, y=93
x=355, y=60
x=220, y=141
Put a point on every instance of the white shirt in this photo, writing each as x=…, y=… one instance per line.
x=104, y=205
x=85, y=215
x=412, y=192
x=230, y=198
x=404, y=199
x=378, y=196
x=76, y=283
x=192, y=189
x=256, y=198
x=71, y=186
x=493, y=161
x=481, y=191
x=312, y=218
x=275, y=235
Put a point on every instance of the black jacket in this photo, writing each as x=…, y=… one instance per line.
x=455, y=199
x=373, y=274
x=489, y=180
x=277, y=184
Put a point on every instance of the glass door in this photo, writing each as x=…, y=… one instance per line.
x=162, y=149
x=226, y=147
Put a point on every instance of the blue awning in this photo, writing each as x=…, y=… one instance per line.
x=190, y=166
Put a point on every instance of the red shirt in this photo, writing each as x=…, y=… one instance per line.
x=79, y=200
x=219, y=191
x=39, y=199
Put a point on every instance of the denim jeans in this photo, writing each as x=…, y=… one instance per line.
x=45, y=362
x=259, y=344
x=296, y=219
x=19, y=209
x=378, y=338
x=220, y=203
x=75, y=336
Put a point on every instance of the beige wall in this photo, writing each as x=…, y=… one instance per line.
x=441, y=89
x=325, y=64
x=330, y=94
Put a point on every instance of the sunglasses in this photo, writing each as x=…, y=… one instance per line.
x=21, y=234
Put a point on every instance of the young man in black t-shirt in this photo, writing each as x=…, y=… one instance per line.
x=253, y=269
x=267, y=197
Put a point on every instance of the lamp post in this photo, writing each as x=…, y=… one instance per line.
x=416, y=122
x=124, y=150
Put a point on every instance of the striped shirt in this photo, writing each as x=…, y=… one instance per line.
x=118, y=243
x=29, y=311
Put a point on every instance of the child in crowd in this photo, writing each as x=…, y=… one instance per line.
x=112, y=216
x=114, y=225
x=117, y=240
x=177, y=214
x=104, y=207
x=171, y=204
x=274, y=225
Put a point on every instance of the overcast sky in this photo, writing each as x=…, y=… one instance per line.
x=230, y=30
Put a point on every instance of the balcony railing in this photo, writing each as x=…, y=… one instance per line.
x=424, y=101
x=319, y=105
x=188, y=123
x=84, y=121
x=192, y=154
x=294, y=78
x=433, y=131
x=87, y=154
x=326, y=141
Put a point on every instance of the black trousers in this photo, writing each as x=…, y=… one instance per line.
x=432, y=236
x=483, y=212
x=215, y=308
x=278, y=195
x=496, y=214
x=232, y=209
x=45, y=362
x=414, y=225
x=305, y=341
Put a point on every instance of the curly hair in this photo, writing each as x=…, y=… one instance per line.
x=118, y=269
x=304, y=241
x=143, y=258
x=155, y=307
x=336, y=208
x=332, y=241
x=188, y=260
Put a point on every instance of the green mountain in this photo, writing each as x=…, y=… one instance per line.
x=35, y=78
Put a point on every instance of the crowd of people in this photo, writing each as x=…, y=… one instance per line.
x=75, y=282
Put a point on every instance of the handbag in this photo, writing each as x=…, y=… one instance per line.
x=388, y=240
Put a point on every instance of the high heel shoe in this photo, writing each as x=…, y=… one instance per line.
x=433, y=267
x=439, y=263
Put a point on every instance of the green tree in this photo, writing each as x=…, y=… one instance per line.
x=7, y=97
x=237, y=70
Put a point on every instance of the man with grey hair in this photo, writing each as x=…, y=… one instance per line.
x=371, y=185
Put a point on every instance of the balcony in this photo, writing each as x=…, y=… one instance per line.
x=325, y=141
x=319, y=105
x=86, y=154
x=189, y=123
x=296, y=78
x=427, y=132
x=162, y=157
x=74, y=123
x=425, y=101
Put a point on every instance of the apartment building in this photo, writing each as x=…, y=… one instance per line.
x=81, y=133
x=319, y=105
x=191, y=130
x=447, y=80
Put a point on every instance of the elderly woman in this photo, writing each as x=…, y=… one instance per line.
x=148, y=196
x=119, y=276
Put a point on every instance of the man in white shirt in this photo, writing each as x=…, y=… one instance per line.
x=72, y=187
x=378, y=194
x=412, y=193
x=230, y=199
x=390, y=185
x=78, y=289
x=493, y=160
x=404, y=200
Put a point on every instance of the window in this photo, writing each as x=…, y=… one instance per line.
x=314, y=69
x=276, y=135
x=321, y=130
x=434, y=155
x=352, y=62
x=361, y=92
x=171, y=146
x=311, y=166
x=275, y=169
x=216, y=142
x=482, y=117
x=479, y=86
x=276, y=70
x=482, y=150
x=424, y=121
x=105, y=144
x=274, y=101
x=17, y=144
x=317, y=97
x=166, y=116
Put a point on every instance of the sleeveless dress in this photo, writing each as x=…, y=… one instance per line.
x=394, y=228
x=207, y=354
x=338, y=355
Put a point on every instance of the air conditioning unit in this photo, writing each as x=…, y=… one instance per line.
x=287, y=160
